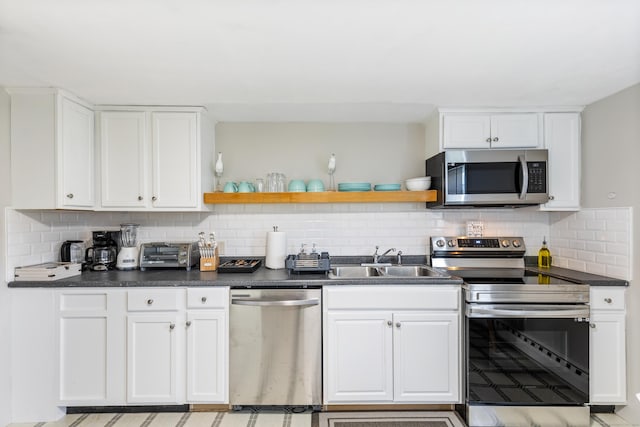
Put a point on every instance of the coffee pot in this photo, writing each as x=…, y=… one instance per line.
x=102, y=255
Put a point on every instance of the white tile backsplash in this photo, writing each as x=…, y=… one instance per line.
x=596, y=241
x=340, y=229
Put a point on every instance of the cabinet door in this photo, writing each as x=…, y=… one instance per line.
x=359, y=357
x=466, y=131
x=152, y=342
x=123, y=144
x=515, y=131
x=206, y=356
x=76, y=156
x=607, y=373
x=83, y=358
x=562, y=140
x=426, y=357
x=175, y=160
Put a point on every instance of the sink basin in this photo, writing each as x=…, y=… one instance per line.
x=353, y=272
x=410, y=271
x=384, y=272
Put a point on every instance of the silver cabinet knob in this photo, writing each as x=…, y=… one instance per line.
x=495, y=139
x=188, y=323
x=592, y=325
x=140, y=198
x=149, y=301
x=203, y=299
x=172, y=325
x=389, y=323
x=488, y=139
x=154, y=198
x=608, y=300
x=398, y=324
x=551, y=197
x=70, y=196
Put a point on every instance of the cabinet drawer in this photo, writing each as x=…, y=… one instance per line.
x=607, y=298
x=208, y=298
x=153, y=299
x=83, y=301
x=392, y=297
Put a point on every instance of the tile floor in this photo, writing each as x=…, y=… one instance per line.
x=229, y=419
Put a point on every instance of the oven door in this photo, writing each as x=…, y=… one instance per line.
x=527, y=355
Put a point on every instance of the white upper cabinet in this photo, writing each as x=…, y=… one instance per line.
x=476, y=131
x=52, y=150
x=153, y=159
x=123, y=154
x=562, y=140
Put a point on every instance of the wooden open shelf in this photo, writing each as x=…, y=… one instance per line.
x=322, y=197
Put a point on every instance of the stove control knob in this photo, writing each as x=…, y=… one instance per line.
x=451, y=243
x=440, y=243
x=505, y=243
x=516, y=243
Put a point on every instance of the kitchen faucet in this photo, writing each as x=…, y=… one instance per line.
x=376, y=257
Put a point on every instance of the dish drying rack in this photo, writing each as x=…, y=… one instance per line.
x=312, y=262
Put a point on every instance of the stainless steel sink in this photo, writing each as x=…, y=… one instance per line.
x=385, y=272
x=352, y=272
x=411, y=271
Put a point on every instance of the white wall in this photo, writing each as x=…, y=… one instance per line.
x=5, y=318
x=379, y=153
x=611, y=149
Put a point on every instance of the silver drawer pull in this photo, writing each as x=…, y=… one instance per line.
x=389, y=323
x=188, y=323
x=203, y=299
x=398, y=324
x=172, y=325
x=608, y=300
x=149, y=301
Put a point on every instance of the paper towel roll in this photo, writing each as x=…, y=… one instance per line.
x=276, y=249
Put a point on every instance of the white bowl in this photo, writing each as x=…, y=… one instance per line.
x=418, y=184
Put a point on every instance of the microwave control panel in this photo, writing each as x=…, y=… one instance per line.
x=537, y=177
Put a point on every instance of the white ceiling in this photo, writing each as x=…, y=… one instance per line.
x=323, y=60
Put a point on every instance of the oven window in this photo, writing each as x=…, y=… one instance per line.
x=527, y=361
x=484, y=178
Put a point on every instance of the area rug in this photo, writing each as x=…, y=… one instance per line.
x=390, y=419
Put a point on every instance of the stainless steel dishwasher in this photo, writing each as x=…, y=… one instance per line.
x=275, y=347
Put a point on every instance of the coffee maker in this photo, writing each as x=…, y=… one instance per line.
x=102, y=255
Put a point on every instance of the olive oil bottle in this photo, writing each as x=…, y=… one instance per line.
x=544, y=255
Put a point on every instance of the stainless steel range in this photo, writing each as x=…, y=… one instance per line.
x=526, y=336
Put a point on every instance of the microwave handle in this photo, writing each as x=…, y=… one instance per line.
x=525, y=177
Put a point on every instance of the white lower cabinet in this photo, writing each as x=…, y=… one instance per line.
x=91, y=350
x=386, y=344
x=142, y=346
x=607, y=348
x=152, y=358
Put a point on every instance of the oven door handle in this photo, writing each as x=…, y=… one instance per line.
x=530, y=311
x=525, y=177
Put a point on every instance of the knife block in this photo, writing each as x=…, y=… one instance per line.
x=210, y=263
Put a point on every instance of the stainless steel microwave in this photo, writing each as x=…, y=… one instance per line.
x=489, y=178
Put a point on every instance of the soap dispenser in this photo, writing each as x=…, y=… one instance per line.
x=544, y=255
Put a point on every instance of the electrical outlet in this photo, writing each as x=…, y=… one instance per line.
x=221, y=247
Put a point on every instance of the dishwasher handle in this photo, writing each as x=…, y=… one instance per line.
x=277, y=303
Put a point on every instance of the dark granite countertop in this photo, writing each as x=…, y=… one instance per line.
x=262, y=277
x=578, y=276
x=531, y=264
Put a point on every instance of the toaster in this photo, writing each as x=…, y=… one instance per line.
x=169, y=255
